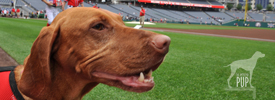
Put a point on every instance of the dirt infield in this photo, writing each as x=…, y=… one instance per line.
x=6, y=60
x=250, y=34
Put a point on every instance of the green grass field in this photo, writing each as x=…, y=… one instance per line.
x=193, y=68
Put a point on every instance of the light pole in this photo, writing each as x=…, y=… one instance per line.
x=245, y=14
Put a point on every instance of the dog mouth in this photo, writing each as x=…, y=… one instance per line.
x=137, y=82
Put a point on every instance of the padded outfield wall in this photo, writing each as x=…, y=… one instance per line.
x=251, y=24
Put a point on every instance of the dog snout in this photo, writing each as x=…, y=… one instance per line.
x=161, y=43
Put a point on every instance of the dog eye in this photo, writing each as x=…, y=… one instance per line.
x=99, y=27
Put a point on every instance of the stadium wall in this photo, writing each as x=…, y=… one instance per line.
x=251, y=24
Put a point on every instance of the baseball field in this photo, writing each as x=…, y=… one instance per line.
x=193, y=68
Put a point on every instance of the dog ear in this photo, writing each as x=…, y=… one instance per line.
x=37, y=72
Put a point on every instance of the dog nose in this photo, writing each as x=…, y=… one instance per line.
x=161, y=43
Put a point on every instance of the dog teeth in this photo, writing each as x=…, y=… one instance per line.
x=148, y=76
x=150, y=73
x=149, y=80
x=146, y=81
x=141, y=77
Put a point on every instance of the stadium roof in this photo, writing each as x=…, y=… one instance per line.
x=181, y=4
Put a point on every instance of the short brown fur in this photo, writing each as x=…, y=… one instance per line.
x=65, y=54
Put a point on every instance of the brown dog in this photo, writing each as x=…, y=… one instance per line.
x=84, y=47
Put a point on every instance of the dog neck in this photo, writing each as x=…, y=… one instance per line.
x=64, y=85
x=69, y=85
x=255, y=57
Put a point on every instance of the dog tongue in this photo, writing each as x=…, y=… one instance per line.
x=133, y=81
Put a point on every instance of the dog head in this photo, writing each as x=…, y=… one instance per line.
x=259, y=54
x=96, y=46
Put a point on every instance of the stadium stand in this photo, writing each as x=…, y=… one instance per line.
x=167, y=14
x=270, y=17
x=150, y=13
x=182, y=1
x=256, y=16
x=28, y=8
x=214, y=2
x=37, y=4
x=202, y=16
x=170, y=15
x=124, y=8
x=223, y=16
x=8, y=2
x=107, y=7
x=156, y=13
x=185, y=16
x=19, y=3
x=147, y=15
x=199, y=2
x=159, y=15
x=116, y=10
x=6, y=8
x=5, y=1
x=86, y=4
x=236, y=15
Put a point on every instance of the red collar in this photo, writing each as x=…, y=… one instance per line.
x=8, y=87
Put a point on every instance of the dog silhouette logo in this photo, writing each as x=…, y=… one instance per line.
x=246, y=64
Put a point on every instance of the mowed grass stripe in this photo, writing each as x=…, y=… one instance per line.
x=193, y=68
x=17, y=36
x=15, y=46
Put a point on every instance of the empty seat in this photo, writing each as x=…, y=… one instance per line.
x=270, y=17
x=222, y=15
x=214, y=2
x=199, y=2
x=201, y=16
x=256, y=16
